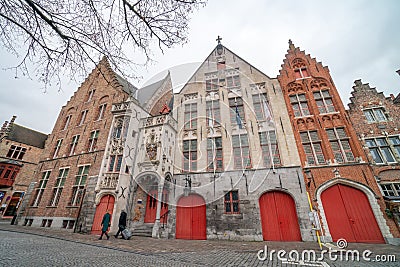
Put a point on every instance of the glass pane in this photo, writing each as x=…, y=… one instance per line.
x=394, y=140
x=388, y=155
x=302, y=97
x=381, y=142
x=235, y=195
x=317, y=95
x=380, y=115
x=236, y=207
x=293, y=99
x=375, y=155
x=227, y=197
x=314, y=136
x=304, y=137
x=341, y=133
x=331, y=134
x=370, y=142
x=227, y=207
x=368, y=114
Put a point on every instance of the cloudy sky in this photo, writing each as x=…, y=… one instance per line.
x=357, y=39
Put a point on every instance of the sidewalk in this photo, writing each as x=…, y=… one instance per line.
x=145, y=245
x=151, y=245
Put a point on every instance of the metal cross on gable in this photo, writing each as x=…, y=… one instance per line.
x=219, y=39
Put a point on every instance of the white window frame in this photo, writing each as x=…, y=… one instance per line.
x=57, y=148
x=67, y=122
x=42, y=186
x=93, y=138
x=83, y=117
x=59, y=186
x=372, y=114
x=79, y=186
x=102, y=109
x=74, y=142
x=379, y=149
x=340, y=140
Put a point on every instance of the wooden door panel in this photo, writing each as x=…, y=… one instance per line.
x=336, y=215
x=279, y=217
x=106, y=203
x=191, y=218
x=349, y=215
x=361, y=217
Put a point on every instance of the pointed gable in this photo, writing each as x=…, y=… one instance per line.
x=153, y=97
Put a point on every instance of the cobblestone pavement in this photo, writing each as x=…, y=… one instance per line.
x=28, y=246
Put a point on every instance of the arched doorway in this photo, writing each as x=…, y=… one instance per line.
x=106, y=203
x=278, y=217
x=151, y=206
x=191, y=218
x=349, y=215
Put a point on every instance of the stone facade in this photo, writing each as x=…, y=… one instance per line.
x=328, y=145
x=376, y=119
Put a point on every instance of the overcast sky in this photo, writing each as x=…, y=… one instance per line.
x=357, y=39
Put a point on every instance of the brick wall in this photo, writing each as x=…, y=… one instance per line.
x=107, y=91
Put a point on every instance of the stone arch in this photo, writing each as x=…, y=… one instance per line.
x=148, y=180
x=371, y=198
x=102, y=194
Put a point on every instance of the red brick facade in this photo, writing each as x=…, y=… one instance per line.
x=87, y=114
x=324, y=135
x=376, y=118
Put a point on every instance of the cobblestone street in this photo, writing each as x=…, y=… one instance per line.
x=26, y=246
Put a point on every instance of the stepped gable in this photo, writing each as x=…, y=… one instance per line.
x=104, y=68
x=298, y=58
x=364, y=89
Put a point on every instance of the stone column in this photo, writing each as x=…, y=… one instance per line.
x=156, y=226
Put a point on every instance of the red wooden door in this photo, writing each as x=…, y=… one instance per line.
x=191, y=218
x=106, y=203
x=151, y=206
x=349, y=215
x=278, y=217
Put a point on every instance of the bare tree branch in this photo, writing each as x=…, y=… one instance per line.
x=65, y=38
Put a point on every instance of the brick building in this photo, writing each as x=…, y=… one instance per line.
x=20, y=150
x=376, y=120
x=340, y=182
x=74, y=151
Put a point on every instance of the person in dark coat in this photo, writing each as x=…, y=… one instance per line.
x=105, y=223
x=121, y=223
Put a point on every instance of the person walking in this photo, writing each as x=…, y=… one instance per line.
x=121, y=223
x=105, y=223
